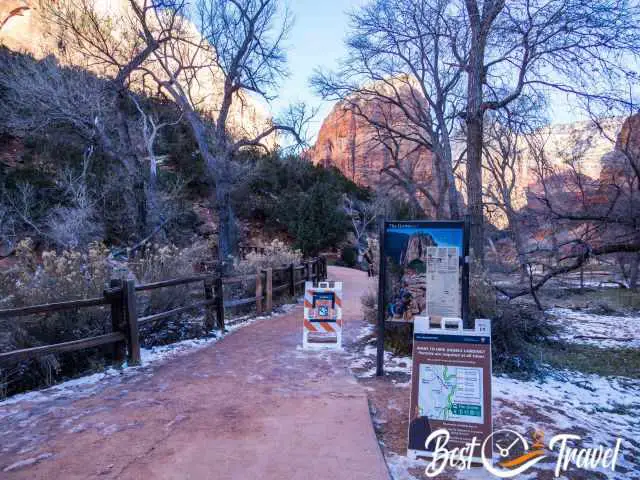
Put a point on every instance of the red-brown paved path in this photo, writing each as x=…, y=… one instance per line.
x=252, y=406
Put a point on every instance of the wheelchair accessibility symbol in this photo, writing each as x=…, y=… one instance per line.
x=323, y=311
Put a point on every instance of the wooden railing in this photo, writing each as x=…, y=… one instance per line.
x=120, y=296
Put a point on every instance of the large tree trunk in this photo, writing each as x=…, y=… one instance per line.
x=227, y=227
x=133, y=167
x=517, y=237
x=474, y=123
x=634, y=273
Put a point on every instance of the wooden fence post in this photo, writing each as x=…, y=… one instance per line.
x=269, y=273
x=219, y=293
x=292, y=280
x=117, y=317
x=208, y=311
x=259, y=292
x=133, y=340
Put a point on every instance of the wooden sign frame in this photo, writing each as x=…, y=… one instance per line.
x=463, y=226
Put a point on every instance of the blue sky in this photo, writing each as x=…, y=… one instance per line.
x=315, y=41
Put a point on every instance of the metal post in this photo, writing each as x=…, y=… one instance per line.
x=466, y=321
x=219, y=294
x=381, y=301
x=133, y=340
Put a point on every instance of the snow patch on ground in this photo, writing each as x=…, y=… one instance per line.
x=603, y=331
x=363, y=365
x=598, y=409
x=27, y=462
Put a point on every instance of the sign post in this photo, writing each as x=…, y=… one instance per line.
x=451, y=386
x=322, y=324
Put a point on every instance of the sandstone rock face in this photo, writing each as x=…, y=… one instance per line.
x=417, y=248
x=629, y=139
x=347, y=141
x=580, y=140
x=23, y=29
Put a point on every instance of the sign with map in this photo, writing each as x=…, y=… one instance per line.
x=450, y=393
x=450, y=385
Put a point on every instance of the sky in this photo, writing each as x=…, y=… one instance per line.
x=315, y=41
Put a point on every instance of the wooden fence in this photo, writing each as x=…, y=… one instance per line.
x=120, y=296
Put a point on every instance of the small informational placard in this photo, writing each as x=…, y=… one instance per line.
x=451, y=386
x=443, y=282
x=322, y=324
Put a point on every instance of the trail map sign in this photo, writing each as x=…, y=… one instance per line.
x=424, y=271
x=450, y=385
x=322, y=324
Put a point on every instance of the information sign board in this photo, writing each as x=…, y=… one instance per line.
x=450, y=386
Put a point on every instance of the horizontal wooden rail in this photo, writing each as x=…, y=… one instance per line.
x=238, y=279
x=173, y=282
x=281, y=288
x=71, y=346
x=158, y=316
x=240, y=301
x=53, y=307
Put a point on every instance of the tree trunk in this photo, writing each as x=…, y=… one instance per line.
x=634, y=271
x=132, y=166
x=227, y=228
x=474, y=184
x=474, y=121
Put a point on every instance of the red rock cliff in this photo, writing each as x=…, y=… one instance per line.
x=348, y=142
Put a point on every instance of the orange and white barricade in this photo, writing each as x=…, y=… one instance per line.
x=322, y=325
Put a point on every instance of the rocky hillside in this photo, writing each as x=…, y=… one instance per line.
x=23, y=28
x=347, y=141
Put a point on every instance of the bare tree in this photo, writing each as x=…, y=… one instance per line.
x=363, y=215
x=508, y=134
x=75, y=224
x=505, y=50
x=402, y=56
x=596, y=217
x=44, y=97
x=581, y=48
x=237, y=50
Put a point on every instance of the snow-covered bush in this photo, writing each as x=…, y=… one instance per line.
x=52, y=277
x=275, y=255
x=162, y=263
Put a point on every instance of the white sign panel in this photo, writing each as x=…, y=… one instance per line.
x=443, y=282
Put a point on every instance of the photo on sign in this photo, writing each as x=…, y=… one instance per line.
x=412, y=251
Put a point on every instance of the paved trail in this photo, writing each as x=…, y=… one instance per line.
x=250, y=406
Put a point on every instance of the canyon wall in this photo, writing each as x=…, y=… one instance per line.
x=23, y=28
x=348, y=141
